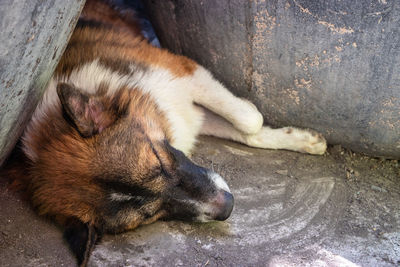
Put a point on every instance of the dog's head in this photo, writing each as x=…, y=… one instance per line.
x=106, y=166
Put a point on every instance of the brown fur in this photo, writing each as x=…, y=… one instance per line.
x=118, y=41
x=109, y=16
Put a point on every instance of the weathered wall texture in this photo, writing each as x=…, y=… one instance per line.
x=333, y=66
x=33, y=36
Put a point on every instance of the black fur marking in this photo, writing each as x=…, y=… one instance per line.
x=113, y=207
x=194, y=179
x=123, y=67
x=117, y=185
x=92, y=24
x=81, y=239
x=163, y=170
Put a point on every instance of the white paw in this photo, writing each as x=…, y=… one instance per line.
x=305, y=141
x=247, y=118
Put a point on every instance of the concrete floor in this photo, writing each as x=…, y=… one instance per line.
x=290, y=209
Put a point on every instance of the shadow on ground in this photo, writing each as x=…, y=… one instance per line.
x=291, y=209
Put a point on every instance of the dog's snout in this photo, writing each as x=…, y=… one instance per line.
x=223, y=205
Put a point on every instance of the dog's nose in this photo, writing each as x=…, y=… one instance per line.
x=223, y=205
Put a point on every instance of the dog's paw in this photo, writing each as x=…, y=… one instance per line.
x=305, y=141
x=247, y=118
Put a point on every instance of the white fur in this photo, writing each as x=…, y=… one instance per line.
x=49, y=101
x=211, y=94
x=287, y=138
x=218, y=181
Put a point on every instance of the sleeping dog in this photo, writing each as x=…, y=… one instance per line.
x=106, y=149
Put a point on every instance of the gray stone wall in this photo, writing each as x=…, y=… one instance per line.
x=33, y=36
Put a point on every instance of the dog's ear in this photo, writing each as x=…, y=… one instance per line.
x=81, y=238
x=89, y=114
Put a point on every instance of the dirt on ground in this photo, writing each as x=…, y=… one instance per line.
x=291, y=209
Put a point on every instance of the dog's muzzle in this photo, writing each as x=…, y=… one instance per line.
x=202, y=194
x=221, y=207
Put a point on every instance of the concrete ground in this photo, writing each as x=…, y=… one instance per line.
x=291, y=209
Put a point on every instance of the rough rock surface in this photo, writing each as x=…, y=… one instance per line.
x=291, y=209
